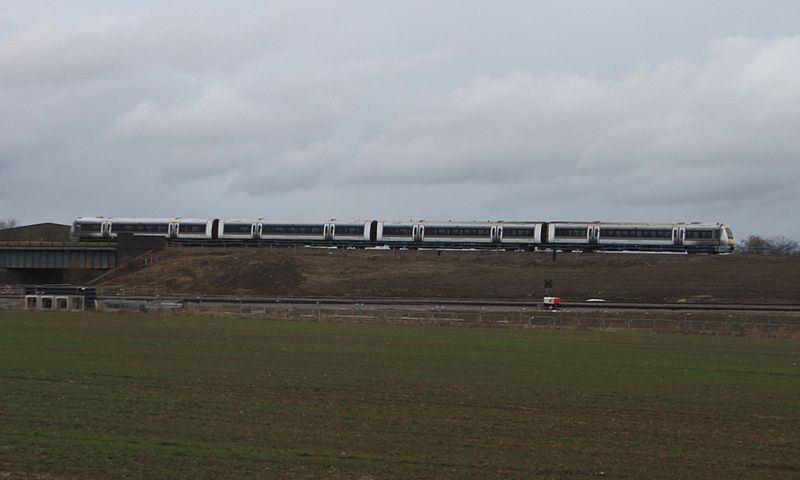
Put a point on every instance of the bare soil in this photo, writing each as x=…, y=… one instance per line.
x=453, y=274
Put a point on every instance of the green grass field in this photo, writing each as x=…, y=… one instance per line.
x=135, y=396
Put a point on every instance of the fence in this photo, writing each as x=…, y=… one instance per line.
x=771, y=324
x=153, y=300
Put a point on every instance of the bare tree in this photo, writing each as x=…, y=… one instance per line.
x=780, y=245
x=8, y=223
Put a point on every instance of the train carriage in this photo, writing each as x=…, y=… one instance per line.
x=458, y=232
x=391, y=232
x=90, y=228
x=714, y=237
x=521, y=233
x=572, y=234
x=295, y=231
x=195, y=228
x=237, y=229
x=355, y=231
x=644, y=236
x=141, y=226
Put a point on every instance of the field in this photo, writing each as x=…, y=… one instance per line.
x=134, y=396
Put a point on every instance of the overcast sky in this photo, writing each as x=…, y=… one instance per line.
x=529, y=110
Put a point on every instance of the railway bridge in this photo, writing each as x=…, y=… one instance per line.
x=58, y=255
x=68, y=261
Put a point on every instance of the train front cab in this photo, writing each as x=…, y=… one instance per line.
x=710, y=238
x=90, y=228
x=726, y=241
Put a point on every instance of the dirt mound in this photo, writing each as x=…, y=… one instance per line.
x=449, y=274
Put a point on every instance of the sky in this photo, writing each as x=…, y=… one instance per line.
x=610, y=110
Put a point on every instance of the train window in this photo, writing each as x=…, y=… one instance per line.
x=272, y=229
x=457, y=232
x=729, y=233
x=397, y=231
x=153, y=227
x=635, y=233
x=139, y=227
x=699, y=234
x=237, y=228
x=192, y=227
x=510, y=232
x=349, y=230
x=89, y=227
x=123, y=227
x=570, y=232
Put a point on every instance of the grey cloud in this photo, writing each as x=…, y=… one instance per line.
x=449, y=109
x=54, y=53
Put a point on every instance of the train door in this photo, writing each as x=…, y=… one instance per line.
x=592, y=234
x=417, y=233
x=373, y=231
x=678, y=236
x=172, y=230
x=497, y=234
x=215, y=229
x=253, y=230
x=328, y=231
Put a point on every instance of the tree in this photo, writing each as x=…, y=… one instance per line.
x=8, y=223
x=780, y=245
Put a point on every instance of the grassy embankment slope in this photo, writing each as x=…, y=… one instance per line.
x=112, y=396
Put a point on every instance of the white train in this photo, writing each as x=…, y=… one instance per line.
x=691, y=237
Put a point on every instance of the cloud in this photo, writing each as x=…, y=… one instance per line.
x=180, y=40
x=427, y=109
x=217, y=114
x=682, y=131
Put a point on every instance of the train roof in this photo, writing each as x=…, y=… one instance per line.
x=638, y=224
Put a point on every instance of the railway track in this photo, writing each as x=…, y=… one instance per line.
x=477, y=303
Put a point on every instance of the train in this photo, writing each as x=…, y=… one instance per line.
x=691, y=237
